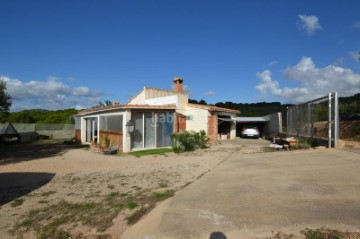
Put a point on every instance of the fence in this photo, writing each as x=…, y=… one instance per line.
x=56, y=131
x=316, y=119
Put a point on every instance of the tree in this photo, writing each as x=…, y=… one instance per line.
x=103, y=104
x=5, y=98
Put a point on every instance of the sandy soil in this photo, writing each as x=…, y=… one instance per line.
x=81, y=175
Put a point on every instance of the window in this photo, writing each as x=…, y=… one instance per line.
x=112, y=123
x=152, y=129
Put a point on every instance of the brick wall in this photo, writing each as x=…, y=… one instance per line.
x=213, y=128
x=179, y=123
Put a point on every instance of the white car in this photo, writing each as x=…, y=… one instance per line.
x=250, y=131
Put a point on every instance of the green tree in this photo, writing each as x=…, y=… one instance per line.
x=5, y=98
x=103, y=104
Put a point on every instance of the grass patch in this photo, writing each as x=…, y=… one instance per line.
x=131, y=204
x=48, y=221
x=141, y=153
x=137, y=215
x=160, y=196
x=17, y=202
x=110, y=186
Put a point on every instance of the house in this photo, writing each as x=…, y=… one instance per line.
x=156, y=114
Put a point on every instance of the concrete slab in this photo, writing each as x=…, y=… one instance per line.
x=250, y=195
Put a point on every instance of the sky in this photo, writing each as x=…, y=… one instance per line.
x=74, y=53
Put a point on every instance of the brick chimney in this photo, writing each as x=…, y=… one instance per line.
x=178, y=86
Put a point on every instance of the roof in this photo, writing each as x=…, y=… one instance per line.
x=252, y=119
x=126, y=106
x=8, y=129
x=213, y=108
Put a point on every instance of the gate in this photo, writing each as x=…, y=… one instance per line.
x=316, y=119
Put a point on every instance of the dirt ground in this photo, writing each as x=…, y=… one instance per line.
x=84, y=194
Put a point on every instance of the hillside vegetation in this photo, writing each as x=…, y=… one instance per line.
x=40, y=116
x=349, y=108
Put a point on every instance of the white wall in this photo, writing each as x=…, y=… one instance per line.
x=167, y=100
x=138, y=99
x=126, y=136
x=197, y=119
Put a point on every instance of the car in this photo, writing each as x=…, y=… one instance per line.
x=250, y=131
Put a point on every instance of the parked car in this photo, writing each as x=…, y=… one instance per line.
x=250, y=131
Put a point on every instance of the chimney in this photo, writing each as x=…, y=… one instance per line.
x=178, y=86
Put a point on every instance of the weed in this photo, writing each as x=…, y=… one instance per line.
x=48, y=193
x=160, y=196
x=136, y=216
x=131, y=204
x=17, y=202
x=47, y=221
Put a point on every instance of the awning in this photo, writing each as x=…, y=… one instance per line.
x=252, y=119
x=226, y=119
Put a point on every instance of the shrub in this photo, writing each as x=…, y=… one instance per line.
x=357, y=128
x=201, y=139
x=188, y=141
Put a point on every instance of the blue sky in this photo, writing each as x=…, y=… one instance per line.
x=61, y=54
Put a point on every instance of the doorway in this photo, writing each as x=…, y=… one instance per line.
x=91, y=129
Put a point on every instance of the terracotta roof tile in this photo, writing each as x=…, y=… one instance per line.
x=127, y=106
x=213, y=108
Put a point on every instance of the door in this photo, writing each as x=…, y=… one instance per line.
x=91, y=129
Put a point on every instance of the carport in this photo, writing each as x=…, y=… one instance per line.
x=260, y=122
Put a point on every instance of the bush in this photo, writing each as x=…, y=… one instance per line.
x=357, y=129
x=189, y=141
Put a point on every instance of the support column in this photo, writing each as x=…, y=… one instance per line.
x=126, y=135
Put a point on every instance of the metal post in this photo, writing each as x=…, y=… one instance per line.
x=329, y=122
x=336, y=119
x=312, y=119
x=287, y=121
x=297, y=121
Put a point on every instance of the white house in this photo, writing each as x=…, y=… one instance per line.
x=156, y=114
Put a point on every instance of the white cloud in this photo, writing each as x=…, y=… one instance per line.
x=210, y=93
x=50, y=94
x=310, y=24
x=270, y=64
x=355, y=55
x=313, y=82
x=355, y=25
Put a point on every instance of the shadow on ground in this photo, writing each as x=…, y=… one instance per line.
x=25, y=152
x=14, y=185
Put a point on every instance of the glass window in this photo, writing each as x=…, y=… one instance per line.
x=113, y=123
x=164, y=129
x=149, y=130
x=137, y=135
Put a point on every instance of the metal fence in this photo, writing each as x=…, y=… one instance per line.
x=315, y=119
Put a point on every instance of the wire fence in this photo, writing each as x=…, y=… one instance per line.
x=315, y=119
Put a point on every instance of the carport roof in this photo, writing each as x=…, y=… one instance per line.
x=252, y=119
